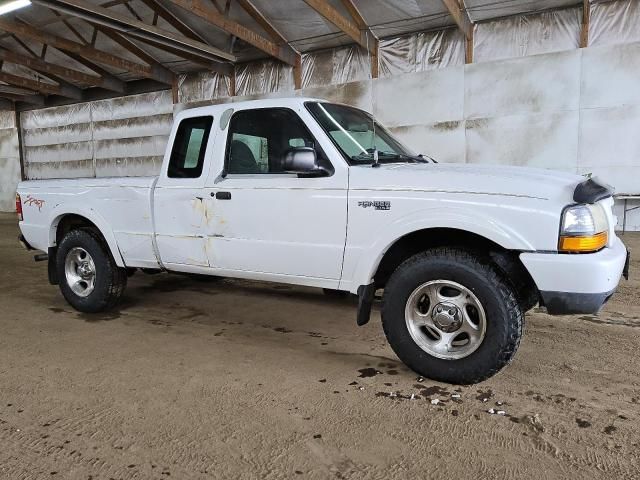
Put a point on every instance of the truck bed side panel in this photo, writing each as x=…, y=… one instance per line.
x=120, y=207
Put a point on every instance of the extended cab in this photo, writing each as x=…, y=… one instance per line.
x=307, y=192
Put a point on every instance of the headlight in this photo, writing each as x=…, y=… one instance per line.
x=584, y=229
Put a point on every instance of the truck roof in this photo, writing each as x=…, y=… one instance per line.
x=218, y=109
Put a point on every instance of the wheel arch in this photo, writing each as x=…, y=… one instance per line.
x=507, y=260
x=71, y=219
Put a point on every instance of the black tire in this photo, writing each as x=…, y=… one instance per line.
x=504, y=317
x=110, y=280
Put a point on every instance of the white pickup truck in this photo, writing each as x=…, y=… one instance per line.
x=306, y=192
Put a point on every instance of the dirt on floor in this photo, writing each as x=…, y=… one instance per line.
x=244, y=380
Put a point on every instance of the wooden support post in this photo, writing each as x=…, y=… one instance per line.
x=297, y=74
x=468, y=47
x=23, y=170
x=586, y=20
x=232, y=83
x=465, y=25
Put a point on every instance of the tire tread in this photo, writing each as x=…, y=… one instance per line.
x=483, y=263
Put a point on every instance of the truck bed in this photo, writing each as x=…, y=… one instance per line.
x=119, y=205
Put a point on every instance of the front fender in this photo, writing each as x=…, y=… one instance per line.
x=488, y=227
x=94, y=217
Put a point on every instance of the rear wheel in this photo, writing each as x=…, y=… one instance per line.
x=450, y=316
x=89, y=278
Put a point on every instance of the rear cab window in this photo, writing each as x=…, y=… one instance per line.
x=189, y=147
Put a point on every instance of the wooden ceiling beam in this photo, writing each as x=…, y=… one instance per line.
x=51, y=21
x=327, y=11
x=260, y=19
x=169, y=17
x=461, y=17
x=111, y=82
x=41, y=87
x=160, y=73
x=50, y=68
x=37, y=100
x=359, y=31
x=284, y=53
x=11, y=90
x=135, y=28
x=85, y=51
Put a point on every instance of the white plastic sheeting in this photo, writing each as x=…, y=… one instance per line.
x=524, y=35
x=511, y=37
x=9, y=160
x=614, y=22
x=263, y=76
x=335, y=66
x=197, y=87
x=421, y=51
x=123, y=136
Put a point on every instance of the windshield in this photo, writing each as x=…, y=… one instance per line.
x=353, y=132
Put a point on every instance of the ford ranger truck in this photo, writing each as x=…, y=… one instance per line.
x=306, y=192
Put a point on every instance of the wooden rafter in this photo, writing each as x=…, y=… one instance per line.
x=210, y=14
x=56, y=19
x=52, y=69
x=465, y=25
x=135, y=28
x=160, y=73
x=41, y=87
x=336, y=18
x=357, y=29
x=260, y=19
x=110, y=81
x=249, y=7
x=168, y=16
x=11, y=90
x=33, y=99
x=77, y=48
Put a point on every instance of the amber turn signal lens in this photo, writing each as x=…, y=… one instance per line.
x=592, y=243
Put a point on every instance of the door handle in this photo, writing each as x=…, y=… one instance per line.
x=222, y=195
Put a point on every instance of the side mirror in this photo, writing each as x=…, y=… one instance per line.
x=304, y=162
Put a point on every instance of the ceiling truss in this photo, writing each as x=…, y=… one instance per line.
x=122, y=23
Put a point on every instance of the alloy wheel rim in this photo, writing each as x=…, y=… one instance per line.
x=80, y=271
x=445, y=319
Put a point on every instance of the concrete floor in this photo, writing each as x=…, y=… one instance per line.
x=243, y=380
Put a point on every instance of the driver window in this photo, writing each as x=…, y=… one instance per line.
x=259, y=140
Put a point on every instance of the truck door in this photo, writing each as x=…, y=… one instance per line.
x=178, y=204
x=268, y=221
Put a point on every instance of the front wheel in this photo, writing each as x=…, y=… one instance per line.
x=450, y=315
x=88, y=275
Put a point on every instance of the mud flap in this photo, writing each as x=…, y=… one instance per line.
x=51, y=266
x=625, y=270
x=365, y=302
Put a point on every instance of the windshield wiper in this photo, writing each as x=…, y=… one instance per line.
x=389, y=157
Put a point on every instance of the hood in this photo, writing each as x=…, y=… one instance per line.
x=465, y=178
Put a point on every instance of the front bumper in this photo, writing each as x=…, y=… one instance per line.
x=569, y=303
x=579, y=283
